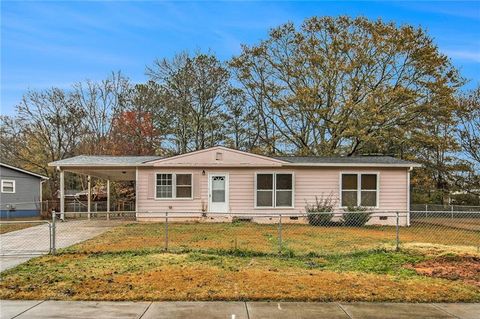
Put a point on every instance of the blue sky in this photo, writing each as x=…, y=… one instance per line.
x=47, y=44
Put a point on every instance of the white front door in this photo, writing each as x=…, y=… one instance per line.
x=218, y=193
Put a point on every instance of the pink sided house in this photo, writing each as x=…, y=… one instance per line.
x=222, y=182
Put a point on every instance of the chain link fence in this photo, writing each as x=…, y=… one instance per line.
x=81, y=206
x=16, y=241
x=439, y=207
x=287, y=234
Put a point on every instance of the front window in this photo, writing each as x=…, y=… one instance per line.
x=173, y=186
x=359, y=190
x=368, y=195
x=265, y=190
x=274, y=190
x=8, y=186
x=283, y=190
x=164, y=186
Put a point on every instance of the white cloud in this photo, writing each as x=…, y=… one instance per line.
x=466, y=55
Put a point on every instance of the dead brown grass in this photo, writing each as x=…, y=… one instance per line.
x=301, y=239
x=203, y=277
x=6, y=228
x=460, y=223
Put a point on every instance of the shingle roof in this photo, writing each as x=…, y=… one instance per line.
x=104, y=160
x=380, y=160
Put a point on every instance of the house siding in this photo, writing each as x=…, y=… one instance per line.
x=228, y=157
x=308, y=183
x=26, y=197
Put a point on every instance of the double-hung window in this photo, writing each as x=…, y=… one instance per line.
x=8, y=186
x=274, y=190
x=359, y=190
x=173, y=185
x=183, y=185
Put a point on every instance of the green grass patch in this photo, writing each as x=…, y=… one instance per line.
x=378, y=262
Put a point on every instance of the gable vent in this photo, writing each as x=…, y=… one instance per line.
x=218, y=156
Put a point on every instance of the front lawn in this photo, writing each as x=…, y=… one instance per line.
x=6, y=228
x=297, y=239
x=212, y=262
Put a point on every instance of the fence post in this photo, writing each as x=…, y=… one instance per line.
x=452, y=211
x=280, y=234
x=50, y=236
x=53, y=233
x=397, y=232
x=426, y=210
x=166, y=231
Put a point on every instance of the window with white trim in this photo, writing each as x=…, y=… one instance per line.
x=274, y=190
x=8, y=186
x=359, y=190
x=173, y=185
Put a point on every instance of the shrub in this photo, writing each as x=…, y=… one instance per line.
x=356, y=216
x=320, y=213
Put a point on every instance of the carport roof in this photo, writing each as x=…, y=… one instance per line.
x=104, y=160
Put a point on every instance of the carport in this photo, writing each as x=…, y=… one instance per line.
x=108, y=168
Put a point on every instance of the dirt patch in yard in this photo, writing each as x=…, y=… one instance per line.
x=464, y=268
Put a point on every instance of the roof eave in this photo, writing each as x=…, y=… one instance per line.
x=53, y=164
x=354, y=165
x=25, y=171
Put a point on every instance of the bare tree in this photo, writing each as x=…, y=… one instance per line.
x=48, y=126
x=192, y=88
x=143, y=126
x=468, y=136
x=469, y=128
x=242, y=123
x=101, y=102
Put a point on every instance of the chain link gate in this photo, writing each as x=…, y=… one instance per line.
x=25, y=237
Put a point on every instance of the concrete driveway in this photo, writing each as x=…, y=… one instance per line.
x=21, y=245
x=232, y=310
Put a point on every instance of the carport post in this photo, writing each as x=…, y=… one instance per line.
x=108, y=199
x=62, y=194
x=89, y=195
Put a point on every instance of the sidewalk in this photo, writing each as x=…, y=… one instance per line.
x=232, y=310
